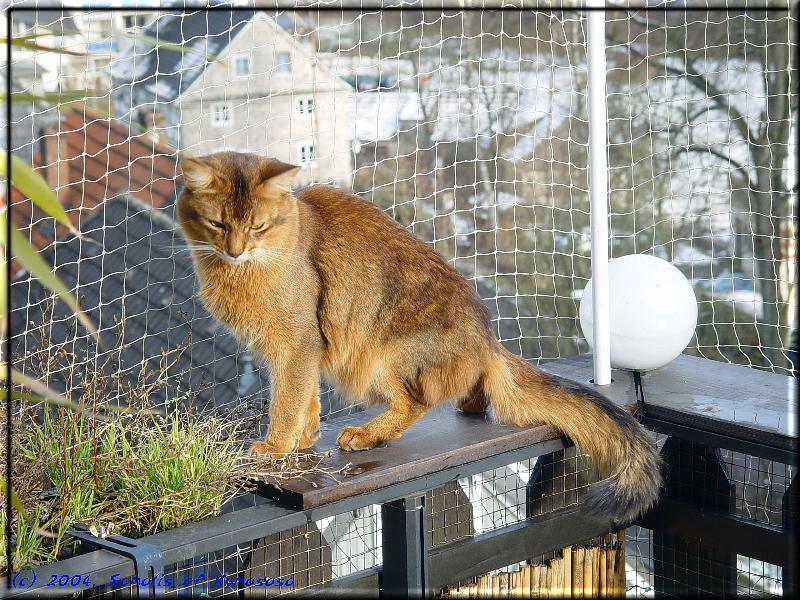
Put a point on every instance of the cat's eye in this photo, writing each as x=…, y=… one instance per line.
x=216, y=224
x=259, y=227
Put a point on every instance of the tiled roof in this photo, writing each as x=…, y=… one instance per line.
x=91, y=159
x=135, y=283
x=166, y=73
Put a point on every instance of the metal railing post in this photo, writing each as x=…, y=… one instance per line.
x=598, y=190
x=405, y=552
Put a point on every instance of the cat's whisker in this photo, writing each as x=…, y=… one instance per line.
x=274, y=260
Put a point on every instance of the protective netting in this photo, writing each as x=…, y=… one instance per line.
x=468, y=127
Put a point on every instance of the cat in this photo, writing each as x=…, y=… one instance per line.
x=320, y=282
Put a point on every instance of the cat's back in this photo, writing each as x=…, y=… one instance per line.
x=341, y=214
x=374, y=259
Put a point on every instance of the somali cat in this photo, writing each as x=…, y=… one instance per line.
x=322, y=283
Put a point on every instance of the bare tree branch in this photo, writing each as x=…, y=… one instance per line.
x=701, y=149
x=712, y=92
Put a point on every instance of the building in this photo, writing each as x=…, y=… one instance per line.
x=237, y=81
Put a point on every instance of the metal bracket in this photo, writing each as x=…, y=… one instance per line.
x=147, y=560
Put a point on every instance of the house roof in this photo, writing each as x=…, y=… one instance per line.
x=133, y=283
x=60, y=21
x=166, y=72
x=89, y=159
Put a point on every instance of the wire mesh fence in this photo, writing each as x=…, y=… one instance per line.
x=678, y=572
x=470, y=129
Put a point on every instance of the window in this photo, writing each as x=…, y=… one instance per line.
x=136, y=21
x=283, y=62
x=305, y=105
x=241, y=66
x=306, y=153
x=221, y=114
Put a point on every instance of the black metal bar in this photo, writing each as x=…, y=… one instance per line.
x=507, y=545
x=362, y=584
x=682, y=565
x=786, y=454
x=760, y=541
x=789, y=508
x=98, y=566
x=452, y=563
x=405, y=555
x=148, y=564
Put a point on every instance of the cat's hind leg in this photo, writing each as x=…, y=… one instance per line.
x=475, y=401
x=403, y=410
x=409, y=399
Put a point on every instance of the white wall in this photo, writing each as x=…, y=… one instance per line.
x=266, y=118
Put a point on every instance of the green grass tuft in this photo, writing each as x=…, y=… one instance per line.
x=136, y=476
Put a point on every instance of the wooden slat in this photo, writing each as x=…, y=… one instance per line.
x=728, y=394
x=442, y=439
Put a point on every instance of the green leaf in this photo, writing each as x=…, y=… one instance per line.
x=33, y=185
x=48, y=97
x=27, y=44
x=30, y=259
x=15, y=501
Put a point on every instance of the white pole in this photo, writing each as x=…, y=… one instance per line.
x=598, y=191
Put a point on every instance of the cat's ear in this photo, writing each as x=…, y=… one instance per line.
x=280, y=177
x=198, y=173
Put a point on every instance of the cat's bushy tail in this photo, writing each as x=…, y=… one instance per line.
x=522, y=395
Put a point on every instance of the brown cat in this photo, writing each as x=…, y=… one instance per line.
x=322, y=283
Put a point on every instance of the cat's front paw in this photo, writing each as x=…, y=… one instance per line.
x=356, y=438
x=268, y=450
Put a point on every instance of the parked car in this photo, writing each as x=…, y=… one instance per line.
x=735, y=287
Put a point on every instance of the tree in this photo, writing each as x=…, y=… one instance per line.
x=737, y=67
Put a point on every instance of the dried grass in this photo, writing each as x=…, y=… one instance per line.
x=131, y=474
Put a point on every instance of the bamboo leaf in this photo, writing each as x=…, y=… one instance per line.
x=3, y=289
x=30, y=259
x=15, y=501
x=48, y=97
x=33, y=185
x=155, y=42
x=27, y=44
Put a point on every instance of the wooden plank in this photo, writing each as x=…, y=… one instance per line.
x=721, y=392
x=442, y=439
x=446, y=439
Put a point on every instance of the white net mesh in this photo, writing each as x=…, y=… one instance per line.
x=468, y=127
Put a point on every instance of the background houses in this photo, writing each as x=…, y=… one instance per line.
x=239, y=81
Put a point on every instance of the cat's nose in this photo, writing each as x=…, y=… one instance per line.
x=235, y=245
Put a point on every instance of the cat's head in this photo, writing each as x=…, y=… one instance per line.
x=237, y=206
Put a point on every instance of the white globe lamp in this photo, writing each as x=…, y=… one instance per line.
x=653, y=312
